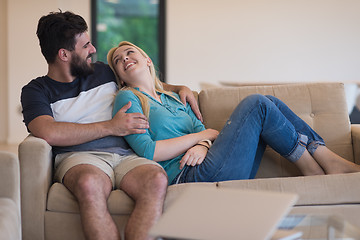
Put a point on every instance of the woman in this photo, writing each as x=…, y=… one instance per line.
x=181, y=144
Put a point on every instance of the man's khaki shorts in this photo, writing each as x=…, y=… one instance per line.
x=114, y=165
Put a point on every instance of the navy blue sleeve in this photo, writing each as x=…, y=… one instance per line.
x=34, y=102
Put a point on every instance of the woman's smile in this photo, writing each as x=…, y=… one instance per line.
x=128, y=65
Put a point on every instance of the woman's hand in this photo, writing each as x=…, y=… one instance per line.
x=194, y=156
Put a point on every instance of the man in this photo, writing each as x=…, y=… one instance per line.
x=71, y=109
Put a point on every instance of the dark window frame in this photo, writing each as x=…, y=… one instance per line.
x=161, y=34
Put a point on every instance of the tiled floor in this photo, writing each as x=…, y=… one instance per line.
x=9, y=148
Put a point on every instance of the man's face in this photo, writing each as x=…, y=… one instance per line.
x=80, y=67
x=80, y=64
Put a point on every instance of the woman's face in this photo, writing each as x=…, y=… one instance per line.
x=128, y=63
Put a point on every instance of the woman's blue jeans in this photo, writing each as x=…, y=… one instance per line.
x=256, y=122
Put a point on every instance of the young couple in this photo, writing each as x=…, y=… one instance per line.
x=71, y=108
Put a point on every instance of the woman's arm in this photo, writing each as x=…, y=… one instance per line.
x=170, y=148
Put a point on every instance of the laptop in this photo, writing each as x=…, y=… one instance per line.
x=223, y=214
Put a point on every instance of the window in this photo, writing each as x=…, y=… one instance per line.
x=141, y=22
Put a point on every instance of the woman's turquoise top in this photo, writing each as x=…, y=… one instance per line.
x=169, y=119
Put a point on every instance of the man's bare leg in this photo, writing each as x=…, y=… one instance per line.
x=146, y=185
x=333, y=163
x=91, y=187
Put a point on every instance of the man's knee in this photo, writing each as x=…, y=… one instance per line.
x=145, y=180
x=158, y=177
x=153, y=179
x=154, y=185
x=88, y=182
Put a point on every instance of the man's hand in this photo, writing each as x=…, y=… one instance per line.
x=124, y=123
x=186, y=95
x=194, y=156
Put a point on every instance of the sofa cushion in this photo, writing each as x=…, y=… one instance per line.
x=319, y=190
x=60, y=199
x=312, y=190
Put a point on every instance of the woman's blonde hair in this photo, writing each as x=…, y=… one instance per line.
x=142, y=97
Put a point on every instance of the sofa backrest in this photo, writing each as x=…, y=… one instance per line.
x=321, y=105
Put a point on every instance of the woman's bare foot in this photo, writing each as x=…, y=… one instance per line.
x=333, y=163
x=308, y=166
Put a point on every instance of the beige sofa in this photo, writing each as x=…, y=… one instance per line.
x=10, y=218
x=50, y=211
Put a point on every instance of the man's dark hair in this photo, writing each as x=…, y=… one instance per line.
x=58, y=30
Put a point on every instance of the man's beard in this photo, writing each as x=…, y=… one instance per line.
x=79, y=67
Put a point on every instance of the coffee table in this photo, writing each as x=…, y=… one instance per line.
x=319, y=227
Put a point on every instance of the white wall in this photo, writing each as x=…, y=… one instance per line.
x=207, y=41
x=262, y=41
x=3, y=72
x=24, y=60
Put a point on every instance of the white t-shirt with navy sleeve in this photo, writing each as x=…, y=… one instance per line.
x=85, y=100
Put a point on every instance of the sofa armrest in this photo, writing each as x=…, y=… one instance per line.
x=10, y=218
x=10, y=222
x=36, y=164
x=355, y=135
x=10, y=177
